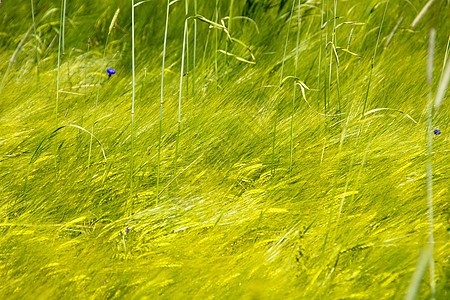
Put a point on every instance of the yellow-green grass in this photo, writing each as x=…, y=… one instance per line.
x=344, y=213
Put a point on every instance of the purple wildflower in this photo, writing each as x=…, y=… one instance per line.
x=110, y=72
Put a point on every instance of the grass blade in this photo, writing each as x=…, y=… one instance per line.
x=181, y=90
x=42, y=144
x=158, y=176
x=195, y=49
x=373, y=60
x=279, y=91
x=419, y=271
x=291, y=143
x=130, y=200
x=422, y=13
x=442, y=88
x=430, y=63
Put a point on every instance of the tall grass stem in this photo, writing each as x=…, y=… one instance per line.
x=277, y=99
x=187, y=50
x=58, y=76
x=130, y=203
x=336, y=57
x=295, y=89
x=181, y=90
x=216, y=37
x=228, y=45
x=36, y=40
x=373, y=60
x=325, y=77
x=431, y=47
x=195, y=49
x=158, y=176
x=114, y=19
x=63, y=26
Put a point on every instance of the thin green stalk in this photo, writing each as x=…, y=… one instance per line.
x=216, y=13
x=427, y=256
x=195, y=49
x=330, y=74
x=279, y=91
x=330, y=50
x=158, y=177
x=114, y=19
x=338, y=89
x=187, y=50
x=430, y=160
x=85, y=76
x=295, y=89
x=130, y=203
x=373, y=61
x=205, y=49
x=63, y=26
x=326, y=107
x=228, y=45
x=419, y=271
x=319, y=69
x=337, y=61
x=37, y=42
x=181, y=91
x=325, y=102
x=58, y=77
x=325, y=92
x=445, y=56
x=231, y=17
x=443, y=85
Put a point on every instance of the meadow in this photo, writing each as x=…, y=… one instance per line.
x=221, y=149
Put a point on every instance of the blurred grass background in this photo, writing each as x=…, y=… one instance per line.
x=348, y=220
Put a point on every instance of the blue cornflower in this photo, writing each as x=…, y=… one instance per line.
x=126, y=230
x=437, y=132
x=110, y=72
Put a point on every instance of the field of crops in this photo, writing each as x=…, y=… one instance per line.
x=221, y=149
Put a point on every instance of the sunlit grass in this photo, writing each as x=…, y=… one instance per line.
x=295, y=177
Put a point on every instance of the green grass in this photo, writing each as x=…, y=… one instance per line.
x=301, y=171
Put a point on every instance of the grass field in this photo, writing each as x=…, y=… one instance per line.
x=264, y=149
